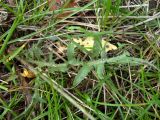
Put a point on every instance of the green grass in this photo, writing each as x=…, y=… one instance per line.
x=76, y=83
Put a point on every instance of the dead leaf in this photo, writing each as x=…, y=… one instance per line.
x=88, y=43
x=3, y=15
x=11, y=2
x=27, y=73
x=56, y=4
x=109, y=46
x=78, y=40
x=61, y=48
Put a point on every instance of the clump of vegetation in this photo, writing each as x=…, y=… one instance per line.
x=90, y=59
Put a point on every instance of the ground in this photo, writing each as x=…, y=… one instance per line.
x=80, y=59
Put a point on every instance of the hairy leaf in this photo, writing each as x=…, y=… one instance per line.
x=70, y=51
x=83, y=72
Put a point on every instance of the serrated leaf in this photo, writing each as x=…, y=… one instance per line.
x=59, y=67
x=83, y=72
x=75, y=62
x=123, y=59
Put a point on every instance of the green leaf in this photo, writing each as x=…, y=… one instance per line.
x=97, y=48
x=106, y=10
x=3, y=88
x=70, y=51
x=83, y=72
x=123, y=59
x=100, y=70
x=12, y=55
x=9, y=35
x=59, y=68
x=16, y=52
